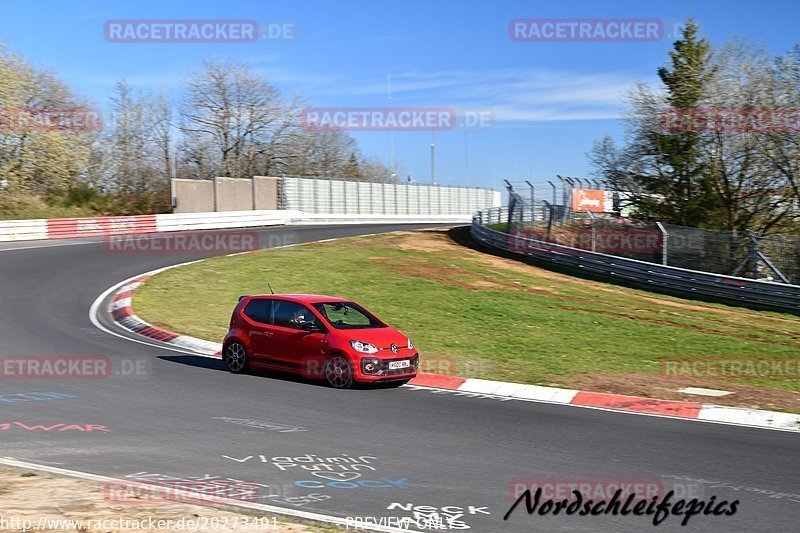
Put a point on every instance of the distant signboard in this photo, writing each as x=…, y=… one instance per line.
x=587, y=200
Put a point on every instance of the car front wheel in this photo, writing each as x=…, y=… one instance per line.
x=339, y=372
x=235, y=357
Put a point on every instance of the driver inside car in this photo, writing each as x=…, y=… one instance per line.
x=298, y=318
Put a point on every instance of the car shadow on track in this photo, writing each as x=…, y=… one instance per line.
x=217, y=364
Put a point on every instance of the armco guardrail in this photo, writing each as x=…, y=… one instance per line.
x=222, y=220
x=680, y=281
x=66, y=228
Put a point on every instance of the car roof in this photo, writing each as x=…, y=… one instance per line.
x=302, y=298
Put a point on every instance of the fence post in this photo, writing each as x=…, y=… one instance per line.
x=665, y=246
x=533, y=201
x=549, y=220
x=512, y=203
x=594, y=234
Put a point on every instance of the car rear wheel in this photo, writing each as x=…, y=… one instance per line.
x=339, y=372
x=235, y=357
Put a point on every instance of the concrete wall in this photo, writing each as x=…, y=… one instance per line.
x=324, y=196
x=266, y=193
x=234, y=194
x=194, y=196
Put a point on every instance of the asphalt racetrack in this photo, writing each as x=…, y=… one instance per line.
x=372, y=453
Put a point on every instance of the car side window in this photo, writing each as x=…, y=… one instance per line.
x=293, y=315
x=258, y=311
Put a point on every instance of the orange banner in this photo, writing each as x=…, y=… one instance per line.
x=587, y=200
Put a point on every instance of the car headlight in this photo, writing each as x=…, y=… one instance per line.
x=363, y=347
x=410, y=346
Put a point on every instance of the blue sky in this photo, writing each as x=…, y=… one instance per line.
x=551, y=100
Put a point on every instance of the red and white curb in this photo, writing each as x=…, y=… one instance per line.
x=121, y=312
x=615, y=402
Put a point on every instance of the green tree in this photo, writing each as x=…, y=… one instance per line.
x=664, y=168
x=352, y=170
x=691, y=200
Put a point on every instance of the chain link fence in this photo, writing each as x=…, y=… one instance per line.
x=772, y=257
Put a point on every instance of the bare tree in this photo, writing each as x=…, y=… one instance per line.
x=240, y=117
x=137, y=149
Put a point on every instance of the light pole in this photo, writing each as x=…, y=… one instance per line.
x=433, y=157
x=466, y=156
x=391, y=132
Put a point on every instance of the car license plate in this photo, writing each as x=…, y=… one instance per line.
x=393, y=365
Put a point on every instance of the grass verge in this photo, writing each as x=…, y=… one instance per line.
x=478, y=315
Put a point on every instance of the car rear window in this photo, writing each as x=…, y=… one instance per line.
x=258, y=310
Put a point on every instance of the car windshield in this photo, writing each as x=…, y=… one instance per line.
x=348, y=315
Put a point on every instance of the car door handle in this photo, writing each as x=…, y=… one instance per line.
x=267, y=333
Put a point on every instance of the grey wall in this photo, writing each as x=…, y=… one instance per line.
x=266, y=193
x=330, y=196
x=234, y=194
x=194, y=196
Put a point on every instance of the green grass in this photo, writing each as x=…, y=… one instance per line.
x=498, y=319
x=499, y=226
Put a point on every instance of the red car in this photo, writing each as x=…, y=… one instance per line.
x=317, y=337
